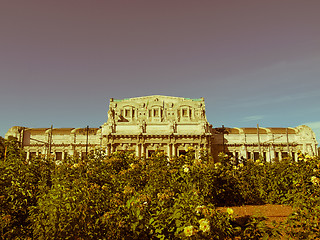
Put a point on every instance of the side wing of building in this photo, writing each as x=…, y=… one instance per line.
x=269, y=143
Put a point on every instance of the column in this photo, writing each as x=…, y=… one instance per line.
x=143, y=150
x=108, y=150
x=174, y=150
x=268, y=159
x=138, y=150
x=112, y=148
x=243, y=152
x=196, y=152
x=28, y=155
x=272, y=153
x=169, y=150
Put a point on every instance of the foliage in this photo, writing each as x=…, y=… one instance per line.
x=2, y=148
x=124, y=197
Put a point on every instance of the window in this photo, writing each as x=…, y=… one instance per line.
x=284, y=154
x=127, y=113
x=156, y=112
x=151, y=152
x=184, y=112
x=248, y=155
x=33, y=155
x=58, y=155
x=256, y=155
x=182, y=152
x=293, y=156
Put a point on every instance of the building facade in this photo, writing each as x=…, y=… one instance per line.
x=169, y=124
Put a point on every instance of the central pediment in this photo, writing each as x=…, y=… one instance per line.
x=165, y=113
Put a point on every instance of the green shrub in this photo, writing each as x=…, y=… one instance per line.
x=124, y=197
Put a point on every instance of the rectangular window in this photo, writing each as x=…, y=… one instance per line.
x=33, y=155
x=58, y=155
x=127, y=113
x=248, y=155
x=277, y=155
x=151, y=152
x=182, y=152
x=256, y=155
x=264, y=155
x=284, y=154
x=156, y=112
x=184, y=112
x=293, y=156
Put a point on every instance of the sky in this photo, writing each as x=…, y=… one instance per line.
x=253, y=61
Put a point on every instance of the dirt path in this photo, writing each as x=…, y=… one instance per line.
x=276, y=213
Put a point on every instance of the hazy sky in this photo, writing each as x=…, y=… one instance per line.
x=253, y=61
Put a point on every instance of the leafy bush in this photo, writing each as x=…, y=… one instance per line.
x=124, y=197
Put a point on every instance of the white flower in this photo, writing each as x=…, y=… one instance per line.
x=315, y=180
x=204, y=225
x=230, y=211
x=185, y=168
x=189, y=231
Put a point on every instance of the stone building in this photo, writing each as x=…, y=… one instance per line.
x=169, y=124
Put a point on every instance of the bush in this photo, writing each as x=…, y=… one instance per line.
x=124, y=197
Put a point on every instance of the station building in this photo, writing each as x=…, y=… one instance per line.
x=169, y=124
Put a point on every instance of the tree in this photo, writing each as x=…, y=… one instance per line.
x=2, y=147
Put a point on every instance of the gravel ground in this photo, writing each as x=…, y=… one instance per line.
x=276, y=213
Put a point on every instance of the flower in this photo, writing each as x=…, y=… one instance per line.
x=315, y=180
x=189, y=149
x=75, y=165
x=204, y=225
x=216, y=165
x=230, y=211
x=202, y=209
x=185, y=168
x=189, y=231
